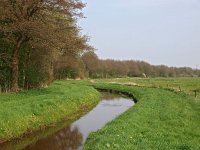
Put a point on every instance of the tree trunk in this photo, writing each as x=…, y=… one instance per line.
x=24, y=70
x=15, y=66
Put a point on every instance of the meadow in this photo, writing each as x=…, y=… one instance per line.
x=161, y=119
x=166, y=115
x=186, y=85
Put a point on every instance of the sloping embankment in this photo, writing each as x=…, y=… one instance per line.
x=32, y=110
x=160, y=120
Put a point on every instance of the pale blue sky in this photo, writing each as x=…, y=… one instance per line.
x=157, y=31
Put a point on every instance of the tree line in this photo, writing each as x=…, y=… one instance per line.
x=40, y=41
x=38, y=38
x=99, y=68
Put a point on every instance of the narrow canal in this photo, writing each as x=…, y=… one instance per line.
x=74, y=135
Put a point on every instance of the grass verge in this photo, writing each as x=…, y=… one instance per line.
x=160, y=120
x=32, y=110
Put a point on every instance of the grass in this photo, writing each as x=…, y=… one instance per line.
x=187, y=85
x=32, y=110
x=161, y=120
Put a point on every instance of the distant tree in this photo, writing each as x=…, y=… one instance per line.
x=133, y=70
x=68, y=66
x=91, y=62
x=116, y=68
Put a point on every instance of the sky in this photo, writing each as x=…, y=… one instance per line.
x=156, y=31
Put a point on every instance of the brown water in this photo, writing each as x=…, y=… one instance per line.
x=73, y=136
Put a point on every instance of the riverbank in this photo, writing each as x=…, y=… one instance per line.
x=187, y=85
x=160, y=120
x=32, y=110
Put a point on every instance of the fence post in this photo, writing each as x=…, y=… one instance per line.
x=180, y=88
x=195, y=93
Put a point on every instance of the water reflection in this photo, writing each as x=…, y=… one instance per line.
x=108, y=109
x=66, y=139
x=108, y=97
x=74, y=135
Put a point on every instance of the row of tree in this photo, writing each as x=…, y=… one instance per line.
x=38, y=39
x=98, y=68
x=41, y=42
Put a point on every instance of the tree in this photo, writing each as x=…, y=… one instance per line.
x=91, y=62
x=38, y=24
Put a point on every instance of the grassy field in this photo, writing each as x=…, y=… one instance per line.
x=161, y=119
x=187, y=85
x=31, y=110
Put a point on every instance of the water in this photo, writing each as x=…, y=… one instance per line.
x=73, y=136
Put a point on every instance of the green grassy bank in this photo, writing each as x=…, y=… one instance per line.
x=161, y=120
x=187, y=85
x=32, y=110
